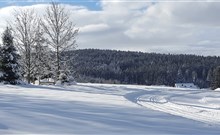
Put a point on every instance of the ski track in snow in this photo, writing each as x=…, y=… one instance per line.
x=165, y=101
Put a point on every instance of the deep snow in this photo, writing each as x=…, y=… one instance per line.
x=108, y=109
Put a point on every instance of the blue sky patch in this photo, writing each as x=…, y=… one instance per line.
x=90, y=4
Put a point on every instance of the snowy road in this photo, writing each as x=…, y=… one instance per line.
x=107, y=109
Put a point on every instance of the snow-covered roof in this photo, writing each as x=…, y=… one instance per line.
x=185, y=85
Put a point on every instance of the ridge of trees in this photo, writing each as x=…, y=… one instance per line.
x=111, y=66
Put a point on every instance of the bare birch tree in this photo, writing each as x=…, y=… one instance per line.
x=61, y=33
x=25, y=30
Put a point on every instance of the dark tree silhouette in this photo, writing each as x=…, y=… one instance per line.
x=216, y=79
x=9, y=65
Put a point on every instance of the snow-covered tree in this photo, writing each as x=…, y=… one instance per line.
x=61, y=34
x=209, y=77
x=10, y=72
x=26, y=30
x=42, y=55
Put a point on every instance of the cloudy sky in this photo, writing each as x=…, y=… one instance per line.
x=177, y=26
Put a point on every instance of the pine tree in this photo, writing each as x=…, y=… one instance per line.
x=209, y=75
x=216, y=78
x=180, y=77
x=9, y=65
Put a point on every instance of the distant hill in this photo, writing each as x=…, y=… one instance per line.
x=110, y=66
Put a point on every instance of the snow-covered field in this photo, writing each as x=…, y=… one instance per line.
x=108, y=109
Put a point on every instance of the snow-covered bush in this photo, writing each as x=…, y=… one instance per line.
x=64, y=79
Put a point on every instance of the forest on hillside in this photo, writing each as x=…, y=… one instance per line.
x=125, y=67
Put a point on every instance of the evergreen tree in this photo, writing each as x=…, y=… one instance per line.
x=180, y=77
x=9, y=65
x=209, y=76
x=216, y=81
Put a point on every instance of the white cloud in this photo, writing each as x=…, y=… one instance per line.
x=165, y=27
x=94, y=28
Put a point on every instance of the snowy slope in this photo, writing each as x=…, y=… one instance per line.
x=108, y=109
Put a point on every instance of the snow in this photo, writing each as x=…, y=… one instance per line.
x=218, y=89
x=185, y=85
x=108, y=109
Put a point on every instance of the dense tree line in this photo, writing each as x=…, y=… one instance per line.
x=109, y=66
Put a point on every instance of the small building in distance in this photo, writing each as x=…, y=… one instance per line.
x=186, y=85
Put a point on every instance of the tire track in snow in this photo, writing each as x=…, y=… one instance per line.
x=179, y=110
x=134, y=96
x=154, y=100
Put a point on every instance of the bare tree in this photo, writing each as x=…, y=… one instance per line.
x=61, y=33
x=25, y=30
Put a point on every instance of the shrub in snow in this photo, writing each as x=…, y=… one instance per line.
x=9, y=65
x=64, y=79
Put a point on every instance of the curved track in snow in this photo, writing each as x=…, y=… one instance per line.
x=164, y=101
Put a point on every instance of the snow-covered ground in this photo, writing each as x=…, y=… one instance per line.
x=108, y=109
